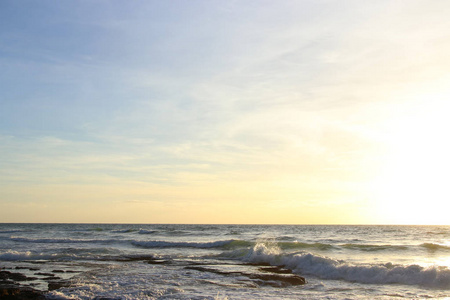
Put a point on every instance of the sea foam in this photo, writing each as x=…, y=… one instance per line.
x=327, y=268
x=11, y=255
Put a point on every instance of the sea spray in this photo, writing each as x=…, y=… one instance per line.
x=327, y=268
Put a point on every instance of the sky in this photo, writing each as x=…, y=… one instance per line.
x=237, y=112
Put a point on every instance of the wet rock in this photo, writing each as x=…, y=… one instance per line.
x=10, y=287
x=274, y=276
x=278, y=280
x=57, y=284
x=20, y=293
x=6, y=275
x=50, y=278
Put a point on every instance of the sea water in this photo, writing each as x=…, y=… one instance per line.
x=120, y=261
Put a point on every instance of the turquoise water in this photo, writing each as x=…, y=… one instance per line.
x=121, y=261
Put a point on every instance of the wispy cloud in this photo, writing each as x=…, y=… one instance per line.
x=201, y=100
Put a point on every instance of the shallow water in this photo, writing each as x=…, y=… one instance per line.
x=120, y=261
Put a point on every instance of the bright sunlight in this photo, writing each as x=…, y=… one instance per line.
x=412, y=187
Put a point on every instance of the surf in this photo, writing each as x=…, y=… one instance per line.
x=327, y=268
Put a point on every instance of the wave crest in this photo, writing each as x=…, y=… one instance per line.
x=166, y=244
x=327, y=268
x=60, y=241
x=363, y=247
x=435, y=247
x=12, y=255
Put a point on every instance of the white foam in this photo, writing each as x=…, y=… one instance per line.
x=327, y=268
x=12, y=255
x=118, y=286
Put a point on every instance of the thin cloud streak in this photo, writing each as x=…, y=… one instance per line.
x=211, y=99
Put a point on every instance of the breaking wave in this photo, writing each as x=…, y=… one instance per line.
x=327, y=268
x=230, y=244
x=12, y=255
x=434, y=247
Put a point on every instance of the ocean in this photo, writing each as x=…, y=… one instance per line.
x=123, y=261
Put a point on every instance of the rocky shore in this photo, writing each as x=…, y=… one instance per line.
x=15, y=285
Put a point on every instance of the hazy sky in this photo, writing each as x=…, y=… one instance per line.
x=225, y=111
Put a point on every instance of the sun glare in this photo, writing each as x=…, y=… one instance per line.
x=412, y=187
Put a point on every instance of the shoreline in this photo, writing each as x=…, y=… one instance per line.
x=11, y=286
x=18, y=286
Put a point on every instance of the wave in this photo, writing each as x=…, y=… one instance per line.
x=234, y=232
x=299, y=245
x=435, y=247
x=166, y=244
x=12, y=255
x=287, y=238
x=123, y=231
x=95, y=229
x=287, y=245
x=144, y=231
x=12, y=231
x=227, y=244
x=60, y=241
x=62, y=254
x=364, y=247
x=439, y=232
x=230, y=245
x=222, y=244
x=327, y=268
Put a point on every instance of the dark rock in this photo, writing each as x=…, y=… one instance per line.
x=6, y=282
x=58, y=271
x=278, y=277
x=57, y=284
x=278, y=280
x=50, y=278
x=11, y=288
x=6, y=275
x=20, y=293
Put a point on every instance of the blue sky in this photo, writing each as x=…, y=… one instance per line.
x=148, y=109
